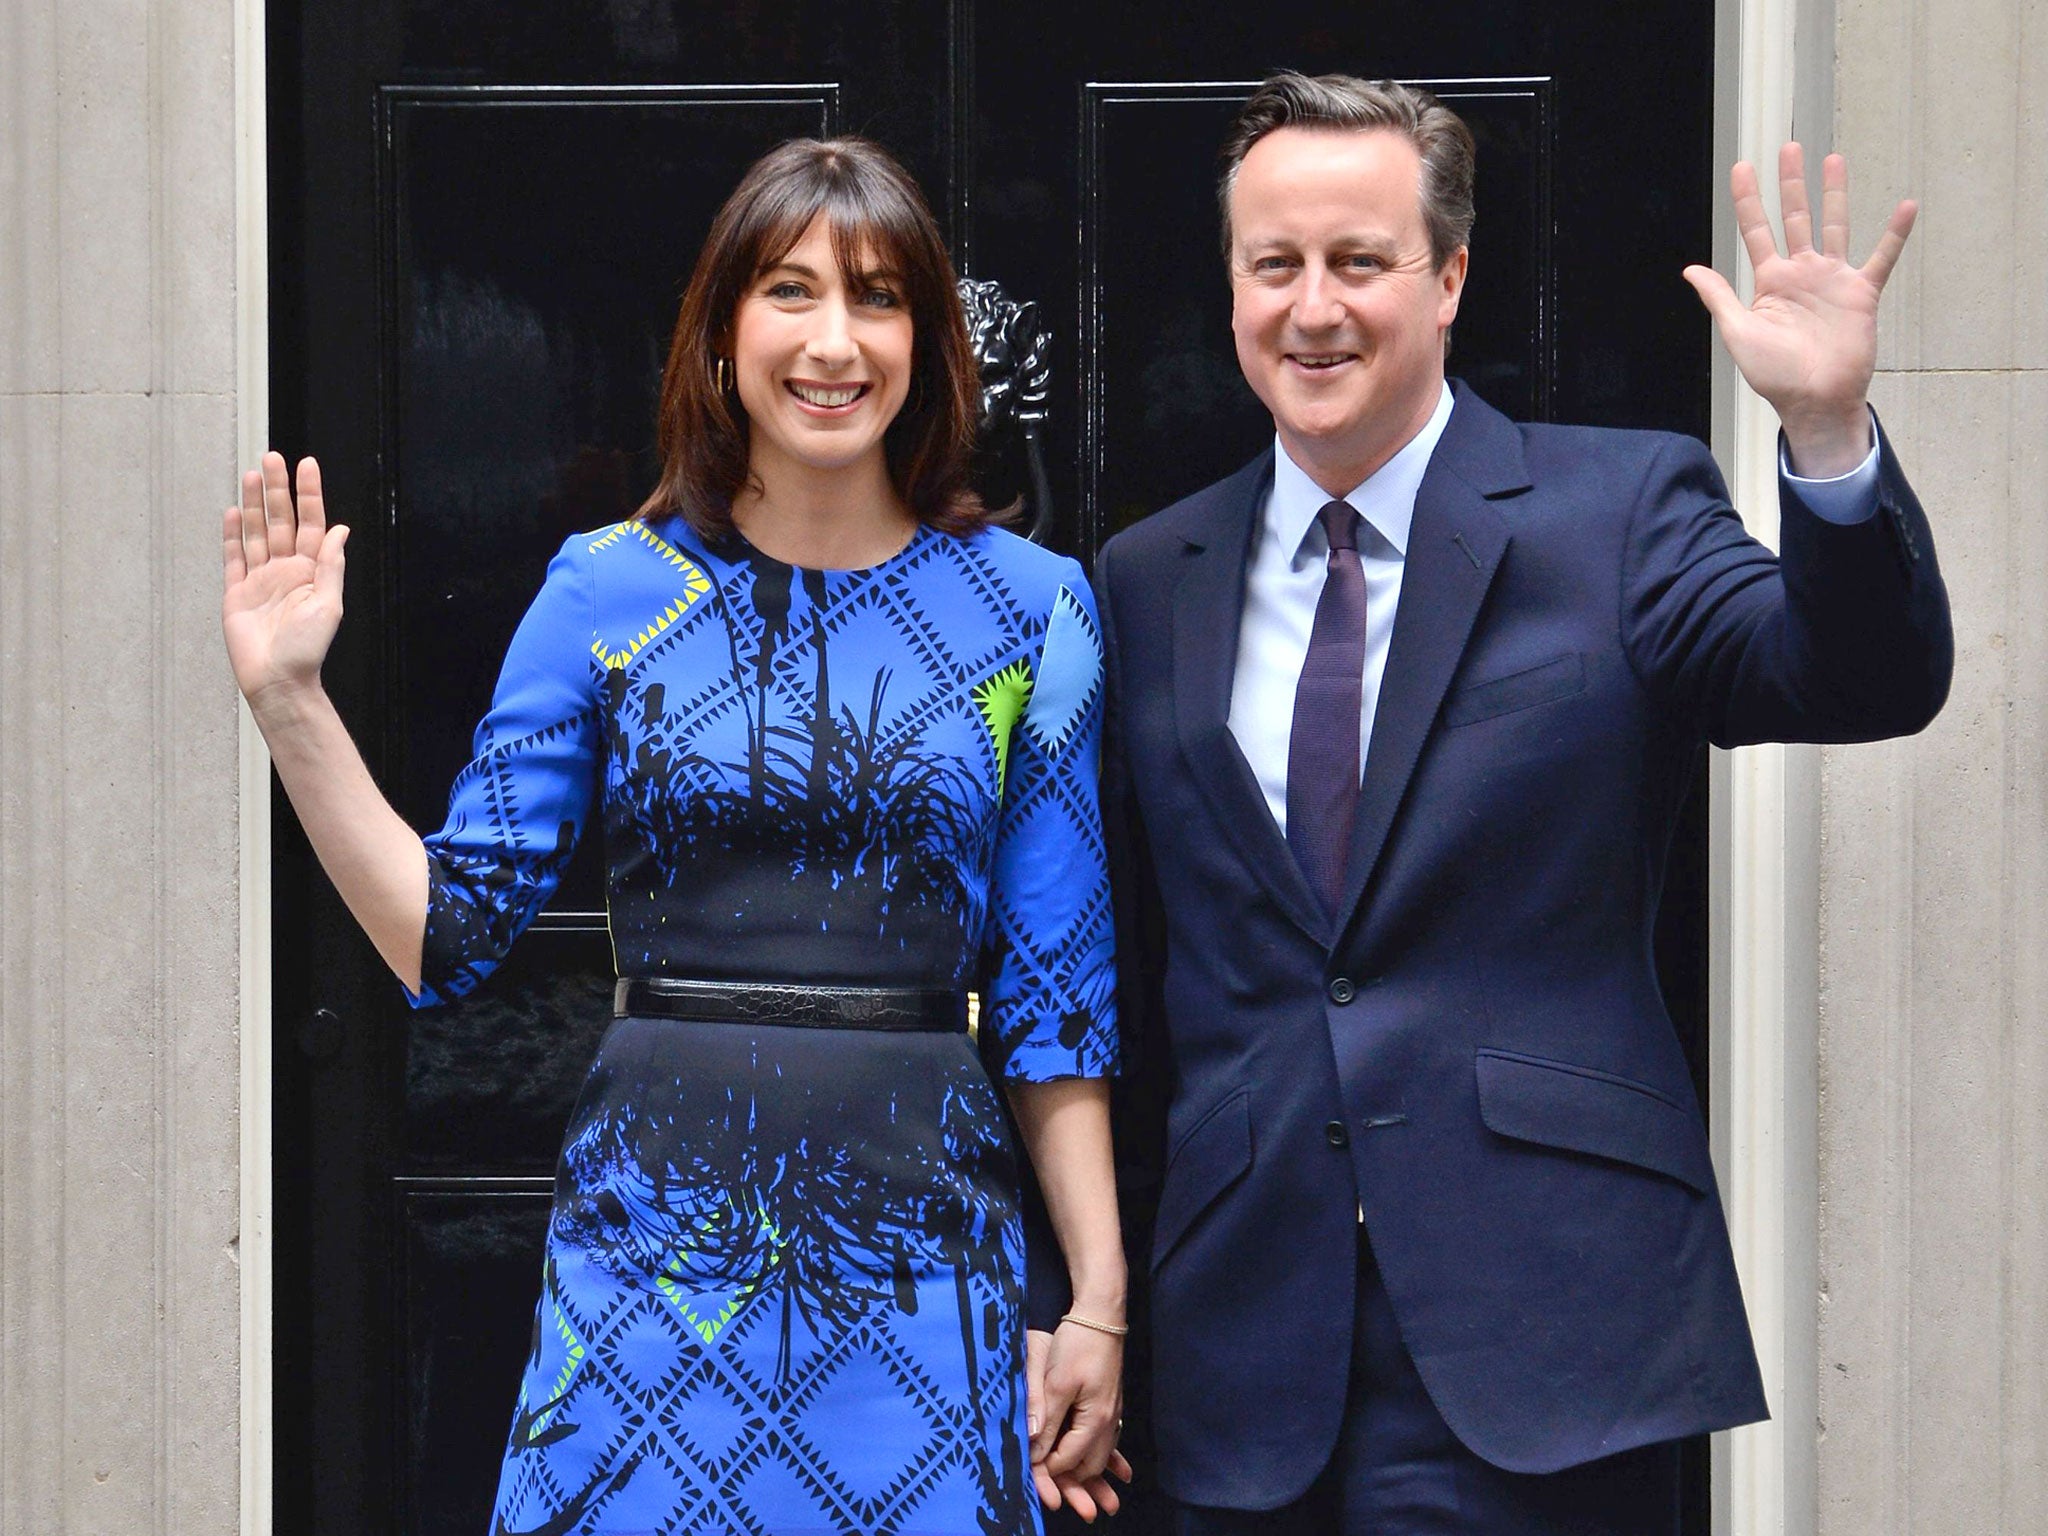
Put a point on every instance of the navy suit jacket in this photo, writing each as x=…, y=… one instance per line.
x=1475, y=1051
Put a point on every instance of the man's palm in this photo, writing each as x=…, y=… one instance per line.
x=1807, y=342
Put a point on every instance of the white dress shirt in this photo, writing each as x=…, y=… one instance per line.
x=1289, y=560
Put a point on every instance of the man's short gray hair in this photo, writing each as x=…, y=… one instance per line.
x=1345, y=103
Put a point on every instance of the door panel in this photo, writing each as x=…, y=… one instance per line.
x=482, y=217
x=1157, y=369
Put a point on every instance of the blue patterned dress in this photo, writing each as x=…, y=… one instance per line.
x=782, y=1291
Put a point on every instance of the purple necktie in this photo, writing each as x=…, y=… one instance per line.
x=1322, y=750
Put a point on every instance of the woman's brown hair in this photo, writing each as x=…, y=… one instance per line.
x=878, y=218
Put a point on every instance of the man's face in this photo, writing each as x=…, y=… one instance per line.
x=1338, y=309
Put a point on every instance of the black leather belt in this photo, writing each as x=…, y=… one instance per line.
x=938, y=1009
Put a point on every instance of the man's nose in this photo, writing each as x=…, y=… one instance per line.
x=1317, y=304
x=831, y=340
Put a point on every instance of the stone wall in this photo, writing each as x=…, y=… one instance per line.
x=1933, y=1139
x=119, y=905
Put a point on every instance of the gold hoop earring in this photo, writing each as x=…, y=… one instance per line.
x=722, y=374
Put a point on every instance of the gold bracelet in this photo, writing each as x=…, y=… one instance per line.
x=1116, y=1330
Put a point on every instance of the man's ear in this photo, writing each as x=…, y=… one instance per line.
x=1450, y=279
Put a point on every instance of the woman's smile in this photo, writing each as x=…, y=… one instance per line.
x=828, y=399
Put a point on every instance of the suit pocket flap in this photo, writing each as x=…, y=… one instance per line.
x=1557, y=678
x=1211, y=1157
x=1557, y=1104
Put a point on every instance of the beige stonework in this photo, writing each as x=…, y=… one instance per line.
x=119, y=898
x=1933, y=1139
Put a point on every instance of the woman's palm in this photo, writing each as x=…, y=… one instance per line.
x=282, y=574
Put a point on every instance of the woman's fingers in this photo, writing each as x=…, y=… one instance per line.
x=279, y=524
x=255, y=535
x=234, y=564
x=1055, y=1398
x=1037, y=1345
x=329, y=564
x=312, y=508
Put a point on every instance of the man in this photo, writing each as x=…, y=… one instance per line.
x=1403, y=716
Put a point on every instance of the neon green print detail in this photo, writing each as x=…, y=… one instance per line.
x=694, y=585
x=706, y=1320
x=1002, y=701
x=572, y=1357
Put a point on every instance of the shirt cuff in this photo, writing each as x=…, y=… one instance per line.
x=1845, y=499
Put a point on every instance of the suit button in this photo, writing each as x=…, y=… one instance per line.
x=1341, y=991
x=1335, y=1135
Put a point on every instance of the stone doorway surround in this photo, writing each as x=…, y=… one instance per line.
x=1880, y=933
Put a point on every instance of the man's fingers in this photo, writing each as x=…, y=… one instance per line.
x=279, y=523
x=1080, y=1501
x=233, y=563
x=1048, y=1490
x=1721, y=300
x=1104, y=1493
x=312, y=509
x=1751, y=221
x=1792, y=200
x=1834, y=207
x=1879, y=268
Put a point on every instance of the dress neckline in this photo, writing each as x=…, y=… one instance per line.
x=747, y=549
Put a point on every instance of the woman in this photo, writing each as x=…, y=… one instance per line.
x=843, y=737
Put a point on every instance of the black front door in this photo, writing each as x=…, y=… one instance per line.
x=481, y=218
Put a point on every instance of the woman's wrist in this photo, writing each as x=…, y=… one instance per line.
x=1100, y=1298
x=287, y=703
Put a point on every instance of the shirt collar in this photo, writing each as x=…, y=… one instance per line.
x=1386, y=500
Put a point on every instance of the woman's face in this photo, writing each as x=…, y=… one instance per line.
x=822, y=364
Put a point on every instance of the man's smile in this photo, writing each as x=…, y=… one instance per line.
x=1321, y=362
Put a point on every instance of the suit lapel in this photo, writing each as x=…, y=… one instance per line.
x=1208, y=611
x=1455, y=545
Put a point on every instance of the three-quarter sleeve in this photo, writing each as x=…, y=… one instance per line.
x=517, y=809
x=1050, y=1008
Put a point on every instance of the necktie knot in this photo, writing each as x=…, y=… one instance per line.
x=1340, y=524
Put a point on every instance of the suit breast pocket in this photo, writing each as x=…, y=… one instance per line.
x=1558, y=678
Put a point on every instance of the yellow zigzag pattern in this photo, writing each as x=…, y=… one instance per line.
x=695, y=585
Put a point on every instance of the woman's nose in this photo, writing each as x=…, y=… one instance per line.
x=831, y=339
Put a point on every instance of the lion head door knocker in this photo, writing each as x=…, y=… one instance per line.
x=1012, y=346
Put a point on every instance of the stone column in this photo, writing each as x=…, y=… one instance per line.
x=119, y=905
x=1933, y=1141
